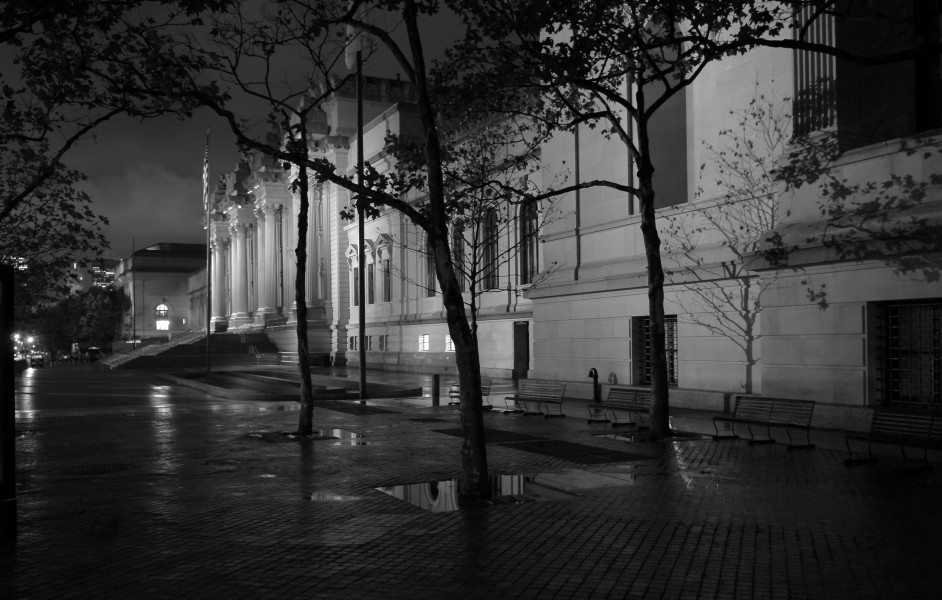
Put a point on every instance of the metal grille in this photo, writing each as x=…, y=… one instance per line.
x=643, y=345
x=815, y=72
x=912, y=354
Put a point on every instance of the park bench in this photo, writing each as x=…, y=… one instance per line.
x=624, y=400
x=915, y=429
x=543, y=394
x=769, y=412
x=454, y=394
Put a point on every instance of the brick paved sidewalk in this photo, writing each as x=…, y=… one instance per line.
x=203, y=502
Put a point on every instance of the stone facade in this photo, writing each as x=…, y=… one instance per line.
x=737, y=322
x=162, y=274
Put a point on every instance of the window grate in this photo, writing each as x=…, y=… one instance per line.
x=911, y=369
x=643, y=331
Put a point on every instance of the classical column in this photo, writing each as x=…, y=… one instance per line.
x=219, y=291
x=288, y=234
x=267, y=264
x=312, y=291
x=240, y=292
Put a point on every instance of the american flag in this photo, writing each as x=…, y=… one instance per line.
x=206, y=175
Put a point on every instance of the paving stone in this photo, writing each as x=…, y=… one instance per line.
x=206, y=509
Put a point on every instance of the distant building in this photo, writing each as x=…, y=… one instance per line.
x=100, y=273
x=254, y=236
x=103, y=272
x=156, y=279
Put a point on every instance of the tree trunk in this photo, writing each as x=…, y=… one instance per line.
x=660, y=406
x=475, y=482
x=306, y=417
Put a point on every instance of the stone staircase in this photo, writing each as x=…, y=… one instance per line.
x=188, y=350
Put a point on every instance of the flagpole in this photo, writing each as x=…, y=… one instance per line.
x=209, y=262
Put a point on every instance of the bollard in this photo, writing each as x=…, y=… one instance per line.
x=596, y=390
x=435, y=389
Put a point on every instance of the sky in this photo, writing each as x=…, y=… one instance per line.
x=146, y=177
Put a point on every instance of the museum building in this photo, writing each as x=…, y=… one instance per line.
x=849, y=315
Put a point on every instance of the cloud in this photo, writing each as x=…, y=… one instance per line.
x=147, y=203
x=147, y=178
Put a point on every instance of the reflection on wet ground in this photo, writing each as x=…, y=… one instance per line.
x=442, y=496
x=341, y=437
x=328, y=497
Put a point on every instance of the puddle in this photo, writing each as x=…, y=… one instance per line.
x=328, y=497
x=442, y=496
x=340, y=437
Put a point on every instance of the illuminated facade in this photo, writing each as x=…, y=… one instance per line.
x=848, y=330
x=157, y=280
x=254, y=236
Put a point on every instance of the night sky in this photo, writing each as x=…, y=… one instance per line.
x=147, y=177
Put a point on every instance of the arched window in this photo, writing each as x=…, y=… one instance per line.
x=529, y=243
x=162, y=312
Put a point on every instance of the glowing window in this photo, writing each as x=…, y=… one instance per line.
x=163, y=317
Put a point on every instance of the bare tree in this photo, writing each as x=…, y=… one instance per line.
x=491, y=168
x=714, y=243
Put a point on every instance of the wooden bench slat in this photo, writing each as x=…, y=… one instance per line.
x=768, y=413
x=454, y=394
x=915, y=429
x=543, y=394
x=621, y=399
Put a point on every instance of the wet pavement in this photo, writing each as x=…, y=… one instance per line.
x=133, y=488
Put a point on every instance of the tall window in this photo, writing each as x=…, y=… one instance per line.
x=356, y=286
x=489, y=239
x=529, y=243
x=457, y=257
x=423, y=342
x=871, y=103
x=909, y=353
x=370, y=284
x=162, y=312
x=429, y=271
x=387, y=282
x=641, y=336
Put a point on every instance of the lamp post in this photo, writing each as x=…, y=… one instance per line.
x=353, y=44
x=207, y=208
